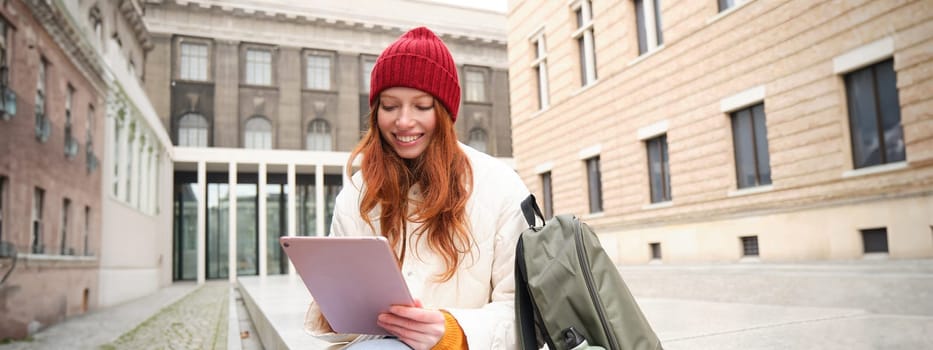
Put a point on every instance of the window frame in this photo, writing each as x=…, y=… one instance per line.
x=547, y=193
x=750, y=247
x=594, y=184
x=331, y=71
x=663, y=194
x=539, y=67
x=257, y=133
x=648, y=25
x=365, y=80
x=7, y=95
x=38, y=207
x=4, y=185
x=584, y=34
x=483, y=88
x=180, y=73
x=63, y=239
x=756, y=126
x=328, y=131
x=258, y=67
x=178, y=129
x=475, y=131
x=880, y=117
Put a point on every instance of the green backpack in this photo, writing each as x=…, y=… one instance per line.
x=569, y=294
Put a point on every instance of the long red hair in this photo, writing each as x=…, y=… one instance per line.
x=445, y=177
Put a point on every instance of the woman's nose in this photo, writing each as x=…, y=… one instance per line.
x=405, y=118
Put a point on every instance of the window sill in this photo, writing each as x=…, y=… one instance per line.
x=478, y=103
x=655, y=262
x=876, y=169
x=585, y=88
x=875, y=256
x=754, y=259
x=540, y=112
x=186, y=81
x=645, y=56
x=593, y=215
x=750, y=191
x=319, y=90
x=258, y=86
x=727, y=12
x=53, y=260
x=659, y=205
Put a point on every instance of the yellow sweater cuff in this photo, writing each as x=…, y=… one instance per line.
x=453, y=339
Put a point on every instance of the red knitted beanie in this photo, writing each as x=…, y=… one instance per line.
x=418, y=60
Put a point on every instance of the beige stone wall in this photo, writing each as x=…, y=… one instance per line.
x=786, y=48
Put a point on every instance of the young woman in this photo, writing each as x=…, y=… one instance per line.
x=451, y=213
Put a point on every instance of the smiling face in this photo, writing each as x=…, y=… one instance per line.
x=407, y=120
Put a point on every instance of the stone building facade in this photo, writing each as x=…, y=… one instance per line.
x=264, y=100
x=687, y=131
x=50, y=183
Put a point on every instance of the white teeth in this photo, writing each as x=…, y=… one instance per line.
x=409, y=138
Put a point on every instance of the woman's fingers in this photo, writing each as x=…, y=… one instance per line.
x=417, y=327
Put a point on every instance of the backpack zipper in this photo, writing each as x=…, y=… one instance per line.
x=588, y=277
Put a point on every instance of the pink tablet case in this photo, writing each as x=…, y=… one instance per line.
x=353, y=279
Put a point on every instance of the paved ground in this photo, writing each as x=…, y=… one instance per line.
x=845, y=305
x=199, y=321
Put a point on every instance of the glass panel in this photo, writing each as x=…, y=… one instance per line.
x=657, y=21
x=761, y=145
x=318, y=72
x=725, y=4
x=193, y=61
x=247, y=243
x=478, y=139
x=186, y=231
x=744, y=148
x=595, y=185
x=475, y=86
x=367, y=72
x=192, y=130
x=258, y=134
x=581, y=47
x=258, y=67
x=276, y=224
x=666, y=169
x=330, y=195
x=319, y=138
x=640, y=26
x=307, y=210
x=548, y=195
x=218, y=230
x=890, y=112
x=654, y=170
x=863, y=122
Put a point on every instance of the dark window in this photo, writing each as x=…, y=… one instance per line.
x=648, y=25
x=87, y=228
x=750, y=141
x=547, y=194
x=874, y=115
x=659, y=175
x=655, y=251
x=63, y=240
x=38, y=199
x=875, y=240
x=750, y=246
x=2, y=202
x=594, y=185
x=727, y=4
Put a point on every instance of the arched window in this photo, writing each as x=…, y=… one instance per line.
x=192, y=130
x=258, y=133
x=478, y=139
x=319, y=136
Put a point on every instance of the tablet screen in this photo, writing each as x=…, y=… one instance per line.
x=352, y=279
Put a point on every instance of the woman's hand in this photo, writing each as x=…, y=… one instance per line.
x=420, y=328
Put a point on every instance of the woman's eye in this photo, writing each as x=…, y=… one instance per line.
x=388, y=108
x=425, y=108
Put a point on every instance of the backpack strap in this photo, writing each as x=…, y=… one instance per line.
x=529, y=209
x=524, y=311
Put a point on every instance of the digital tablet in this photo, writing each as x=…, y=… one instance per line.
x=352, y=279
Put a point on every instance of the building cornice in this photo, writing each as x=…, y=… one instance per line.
x=69, y=38
x=132, y=12
x=358, y=22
